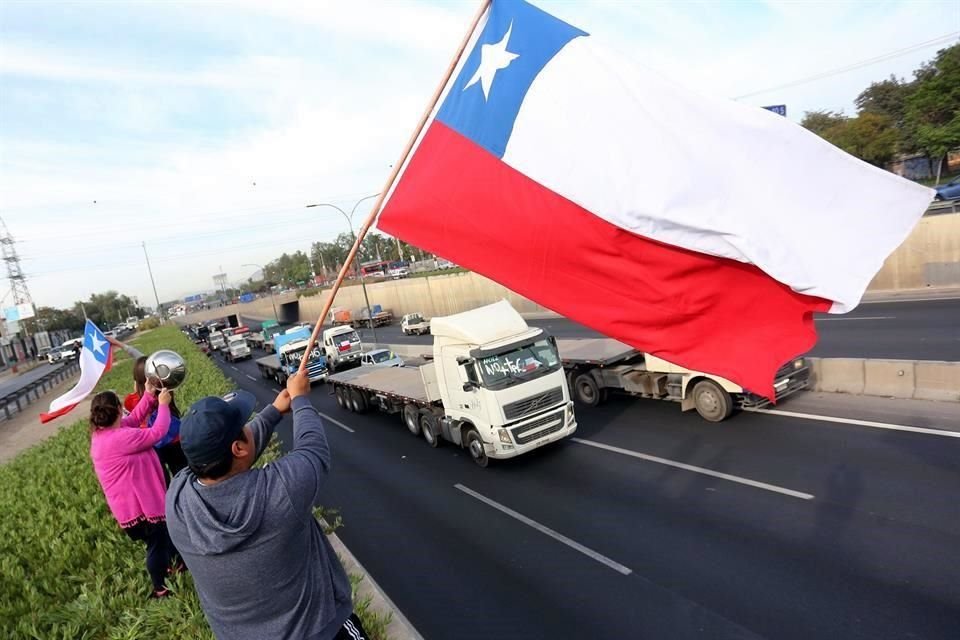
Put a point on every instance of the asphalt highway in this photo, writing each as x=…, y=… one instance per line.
x=770, y=527
x=924, y=330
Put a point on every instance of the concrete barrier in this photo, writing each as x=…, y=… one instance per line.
x=907, y=379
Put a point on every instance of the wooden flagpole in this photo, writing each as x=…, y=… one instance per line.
x=393, y=176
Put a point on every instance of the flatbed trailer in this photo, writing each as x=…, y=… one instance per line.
x=597, y=366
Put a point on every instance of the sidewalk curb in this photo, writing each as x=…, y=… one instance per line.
x=399, y=627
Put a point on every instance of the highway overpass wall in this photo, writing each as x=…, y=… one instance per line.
x=929, y=257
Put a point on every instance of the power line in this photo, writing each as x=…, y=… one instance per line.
x=857, y=65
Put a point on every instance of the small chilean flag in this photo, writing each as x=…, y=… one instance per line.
x=697, y=229
x=96, y=358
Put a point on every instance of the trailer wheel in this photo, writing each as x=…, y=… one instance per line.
x=711, y=401
x=358, y=401
x=586, y=390
x=341, y=400
x=411, y=418
x=426, y=428
x=264, y=373
x=475, y=447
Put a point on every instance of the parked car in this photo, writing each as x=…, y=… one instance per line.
x=949, y=191
x=381, y=358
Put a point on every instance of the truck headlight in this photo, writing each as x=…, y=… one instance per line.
x=570, y=413
x=504, y=436
x=798, y=363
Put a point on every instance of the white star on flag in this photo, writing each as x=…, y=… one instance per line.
x=493, y=57
x=97, y=343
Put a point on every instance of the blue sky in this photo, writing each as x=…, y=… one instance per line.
x=204, y=128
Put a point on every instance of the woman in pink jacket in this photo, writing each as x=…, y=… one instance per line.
x=130, y=474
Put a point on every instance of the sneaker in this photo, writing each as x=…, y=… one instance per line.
x=160, y=593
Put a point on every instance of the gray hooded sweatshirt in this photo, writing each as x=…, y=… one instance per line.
x=262, y=565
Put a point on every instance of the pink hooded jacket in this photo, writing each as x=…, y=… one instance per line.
x=128, y=467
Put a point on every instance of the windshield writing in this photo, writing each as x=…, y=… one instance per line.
x=519, y=365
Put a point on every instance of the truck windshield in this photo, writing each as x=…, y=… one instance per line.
x=294, y=356
x=343, y=341
x=519, y=365
x=415, y=318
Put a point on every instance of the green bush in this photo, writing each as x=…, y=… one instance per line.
x=67, y=571
x=147, y=324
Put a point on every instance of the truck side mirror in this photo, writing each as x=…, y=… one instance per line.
x=470, y=386
x=462, y=360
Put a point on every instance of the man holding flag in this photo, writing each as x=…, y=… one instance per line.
x=96, y=358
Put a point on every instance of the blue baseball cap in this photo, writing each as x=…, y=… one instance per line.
x=212, y=424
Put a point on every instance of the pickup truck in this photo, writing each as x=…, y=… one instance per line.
x=414, y=324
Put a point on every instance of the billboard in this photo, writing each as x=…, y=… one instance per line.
x=195, y=298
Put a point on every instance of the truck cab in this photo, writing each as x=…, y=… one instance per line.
x=501, y=382
x=216, y=341
x=342, y=347
x=237, y=348
x=414, y=324
x=291, y=347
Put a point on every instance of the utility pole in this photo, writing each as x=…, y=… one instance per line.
x=154, y=284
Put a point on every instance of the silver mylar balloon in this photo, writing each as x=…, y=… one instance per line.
x=166, y=369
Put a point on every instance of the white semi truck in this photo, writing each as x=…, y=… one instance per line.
x=237, y=349
x=596, y=366
x=494, y=386
x=342, y=348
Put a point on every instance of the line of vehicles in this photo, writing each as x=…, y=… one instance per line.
x=497, y=387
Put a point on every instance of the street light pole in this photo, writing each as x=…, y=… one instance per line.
x=150, y=271
x=356, y=258
x=264, y=275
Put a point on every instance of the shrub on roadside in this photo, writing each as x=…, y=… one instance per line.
x=147, y=324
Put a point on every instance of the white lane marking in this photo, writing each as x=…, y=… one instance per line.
x=250, y=376
x=559, y=537
x=336, y=422
x=234, y=368
x=860, y=318
x=700, y=470
x=895, y=300
x=859, y=423
x=276, y=390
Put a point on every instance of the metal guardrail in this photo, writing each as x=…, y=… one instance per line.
x=13, y=403
x=943, y=206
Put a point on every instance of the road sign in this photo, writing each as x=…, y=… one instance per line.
x=196, y=298
x=780, y=109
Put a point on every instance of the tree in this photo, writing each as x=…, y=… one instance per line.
x=933, y=109
x=51, y=319
x=107, y=309
x=821, y=121
x=871, y=137
x=289, y=269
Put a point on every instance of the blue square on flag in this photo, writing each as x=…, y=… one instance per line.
x=95, y=342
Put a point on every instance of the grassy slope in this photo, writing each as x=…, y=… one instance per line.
x=66, y=569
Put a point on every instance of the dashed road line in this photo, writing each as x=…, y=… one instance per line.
x=694, y=469
x=559, y=537
x=336, y=422
x=250, y=377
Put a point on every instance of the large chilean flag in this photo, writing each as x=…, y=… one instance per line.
x=697, y=229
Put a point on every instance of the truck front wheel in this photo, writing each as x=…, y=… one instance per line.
x=711, y=401
x=341, y=398
x=586, y=390
x=475, y=447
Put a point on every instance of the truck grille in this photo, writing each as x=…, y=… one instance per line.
x=529, y=432
x=532, y=404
